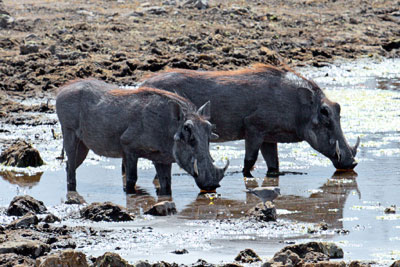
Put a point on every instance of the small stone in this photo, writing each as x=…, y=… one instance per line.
x=6, y=21
x=106, y=211
x=156, y=10
x=51, y=218
x=28, y=49
x=285, y=258
x=199, y=4
x=323, y=226
x=73, y=197
x=21, y=205
x=247, y=256
x=28, y=248
x=180, y=251
x=64, y=258
x=111, y=259
x=202, y=263
x=142, y=264
x=24, y=222
x=390, y=210
x=265, y=213
x=21, y=154
x=163, y=208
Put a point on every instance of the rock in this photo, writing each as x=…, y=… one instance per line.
x=230, y=265
x=163, y=208
x=106, y=211
x=261, y=213
x=325, y=264
x=202, y=263
x=51, y=218
x=163, y=264
x=142, y=264
x=110, y=259
x=390, y=210
x=28, y=248
x=368, y=264
x=247, y=256
x=313, y=256
x=156, y=10
x=21, y=154
x=73, y=197
x=327, y=248
x=199, y=4
x=394, y=264
x=24, y=222
x=180, y=251
x=284, y=258
x=26, y=49
x=21, y=205
x=63, y=258
x=6, y=21
x=390, y=45
x=12, y=259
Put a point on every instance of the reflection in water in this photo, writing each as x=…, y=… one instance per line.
x=326, y=205
x=142, y=201
x=21, y=179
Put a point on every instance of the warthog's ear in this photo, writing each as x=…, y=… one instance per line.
x=176, y=111
x=306, y=96
x=204, y=110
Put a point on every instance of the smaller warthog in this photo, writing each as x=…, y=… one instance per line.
x=130, y=124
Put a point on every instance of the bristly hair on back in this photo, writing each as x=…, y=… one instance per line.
x=188, y=105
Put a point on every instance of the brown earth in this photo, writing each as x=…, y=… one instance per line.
x=50, y=42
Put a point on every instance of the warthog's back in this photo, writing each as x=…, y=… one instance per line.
x=104, y=117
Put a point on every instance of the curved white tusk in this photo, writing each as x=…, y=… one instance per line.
x=195, y=168
x=337, y=150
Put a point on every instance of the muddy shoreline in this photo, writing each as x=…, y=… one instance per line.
x=47, y=43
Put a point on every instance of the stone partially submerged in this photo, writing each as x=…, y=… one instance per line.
x=111, y=259
x=163, y=208
x=21, y=154
x=106, y=211
x=263, y=213
x=63, y=258
x=21, y=205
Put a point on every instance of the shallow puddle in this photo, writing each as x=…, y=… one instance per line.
x=208, y=225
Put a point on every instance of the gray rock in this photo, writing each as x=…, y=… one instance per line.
x=286, y=258
x=202, y=263
x=111, y=259
x=24, y=222
x=142, y=264
x=21, y=154
x=21, y=205
x=199, y=4
x=73, y=197
x=247, y=256
x=265, y=213
x=26, y=49
x=106, y=211
x=51, y=218
x=28, y=248
x=163, y=208
x=12, y=259
x=328, y=248
x=63, y=258
x=155, y=10
x=6, y=21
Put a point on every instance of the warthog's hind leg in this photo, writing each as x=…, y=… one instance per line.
x=164, y=178
x=76, y=152
x=270, y=155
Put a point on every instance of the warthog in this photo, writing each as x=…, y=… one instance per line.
x=264, y=105
x=131, y=124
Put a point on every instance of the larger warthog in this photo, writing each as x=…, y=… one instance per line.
x=131, y=124
x=264, y=105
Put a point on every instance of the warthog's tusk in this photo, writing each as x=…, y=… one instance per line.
x=195, y=168
x=337, y=150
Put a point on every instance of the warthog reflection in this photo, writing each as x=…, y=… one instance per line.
x=21, y=179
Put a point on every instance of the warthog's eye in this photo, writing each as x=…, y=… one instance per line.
x=325, y=111
x=186, y=128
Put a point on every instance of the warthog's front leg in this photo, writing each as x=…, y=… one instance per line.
x=164, y=178
x=130, y=162
x=270, y=155
x=76, y=152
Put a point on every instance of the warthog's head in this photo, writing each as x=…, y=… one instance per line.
x=191, y=147
x=322, y=130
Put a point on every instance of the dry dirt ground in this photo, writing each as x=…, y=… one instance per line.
x=48, y=42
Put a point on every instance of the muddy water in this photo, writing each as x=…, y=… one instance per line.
x=208, y=225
